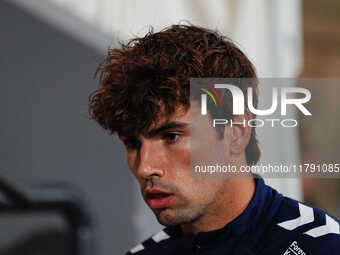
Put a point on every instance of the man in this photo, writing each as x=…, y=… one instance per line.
x=144, y=98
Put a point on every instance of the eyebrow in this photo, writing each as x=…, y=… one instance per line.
x=167, y=126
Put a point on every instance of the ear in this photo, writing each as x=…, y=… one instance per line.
x=240, y=133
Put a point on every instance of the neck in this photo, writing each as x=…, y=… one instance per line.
x=229, y=204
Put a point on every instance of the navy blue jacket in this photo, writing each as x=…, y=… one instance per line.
x=271, y=224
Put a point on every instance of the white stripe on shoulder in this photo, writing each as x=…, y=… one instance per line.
x=160, y=236
x=306, y=216
x=137, y=248
x=331, y=227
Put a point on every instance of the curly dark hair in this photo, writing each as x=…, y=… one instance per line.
x=152, y=74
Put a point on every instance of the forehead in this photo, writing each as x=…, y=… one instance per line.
x=183, y=118
x=181, y=114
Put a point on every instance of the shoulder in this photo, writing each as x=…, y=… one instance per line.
x=155, y=243
x=301, y=229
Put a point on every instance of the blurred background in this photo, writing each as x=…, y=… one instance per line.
x=50, y=50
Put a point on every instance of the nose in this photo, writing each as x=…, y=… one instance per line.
x=150, y=160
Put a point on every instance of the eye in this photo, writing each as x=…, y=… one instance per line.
x=171, y=137
x=131, y=143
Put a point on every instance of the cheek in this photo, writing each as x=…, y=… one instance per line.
x=131, y=160
x=179, y=158
x=179, y=170
x=184, y=150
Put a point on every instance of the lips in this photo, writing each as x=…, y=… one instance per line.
x=158, y=199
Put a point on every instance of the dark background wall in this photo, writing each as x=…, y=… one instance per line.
x=45, y=133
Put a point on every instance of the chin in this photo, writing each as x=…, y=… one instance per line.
x=169, y=217
x=166, y=217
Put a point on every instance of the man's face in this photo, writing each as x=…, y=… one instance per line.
x=160, y=160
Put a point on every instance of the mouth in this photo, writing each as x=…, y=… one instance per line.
x=157, y=199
